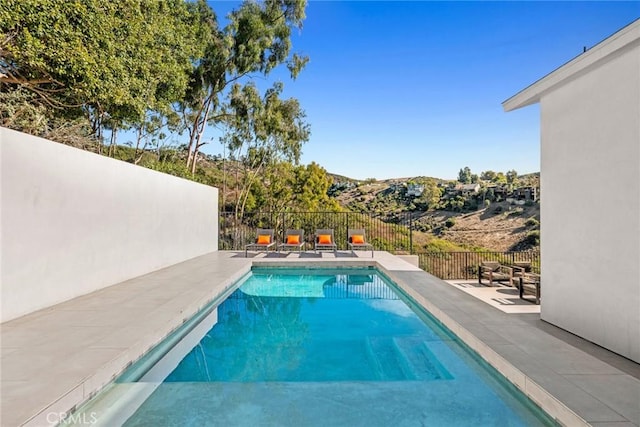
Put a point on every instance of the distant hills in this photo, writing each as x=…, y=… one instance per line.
x=476, y=220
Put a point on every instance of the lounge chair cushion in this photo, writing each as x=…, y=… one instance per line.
x=324, y=239
x=357, y=239
x=264, y=239
x=293, y=239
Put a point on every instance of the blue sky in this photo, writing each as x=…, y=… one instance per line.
x=403, y=89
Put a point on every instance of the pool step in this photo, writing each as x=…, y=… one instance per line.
x=386, y=359
x=404, y=358
x=424, y=366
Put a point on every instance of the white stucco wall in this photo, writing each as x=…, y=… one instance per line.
x=590, y=206
x=74, y=222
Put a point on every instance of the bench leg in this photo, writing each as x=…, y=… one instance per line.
x=521, y=295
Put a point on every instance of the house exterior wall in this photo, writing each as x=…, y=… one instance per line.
x=590, y=239
x=73, y=222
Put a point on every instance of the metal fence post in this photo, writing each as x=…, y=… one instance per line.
x=466, y=266
x=410, y=233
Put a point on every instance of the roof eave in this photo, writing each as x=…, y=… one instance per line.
x=627, y=37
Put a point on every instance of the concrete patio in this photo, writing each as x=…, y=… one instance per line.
x=55, y=359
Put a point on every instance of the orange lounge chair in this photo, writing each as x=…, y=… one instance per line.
x=324, y=240
x=264, y=241
x=358, y=240
x=293, y=240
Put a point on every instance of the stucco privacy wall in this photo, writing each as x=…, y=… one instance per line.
x=590, y=209
x=74, y=222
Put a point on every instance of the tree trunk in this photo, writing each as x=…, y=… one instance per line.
x=112, y=141
x=199, y=142
x=197, y=127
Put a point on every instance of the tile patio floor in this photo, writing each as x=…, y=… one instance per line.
x=54, y=359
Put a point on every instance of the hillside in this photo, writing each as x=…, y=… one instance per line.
x=499, y=227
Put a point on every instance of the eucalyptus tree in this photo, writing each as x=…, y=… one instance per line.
x=166, y=39
x=255, y=41
x=262, y=132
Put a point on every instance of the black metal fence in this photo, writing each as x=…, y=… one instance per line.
x=464, y=265
x=386, y=232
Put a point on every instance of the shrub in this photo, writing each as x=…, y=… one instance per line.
x=532, y=222
x=440, y=245
x=450, y=222
x=533, y=238
x=515, y=212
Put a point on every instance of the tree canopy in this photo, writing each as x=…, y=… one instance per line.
x=109, y=61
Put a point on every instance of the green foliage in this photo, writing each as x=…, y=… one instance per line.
x=515, y=212
x=488, y=175
x=112, y=60
x=512, y=177
x=533, y=238
x=500, y=178
x=173, y=168
x=255, y=42
x=530, y=180
x=261, y=133
x=457, y=204
x=465, y=176
x=311, y=186
x=450, y=222
x=532, y=222
x=441, y=245
x=430, y=197
x=19, y=112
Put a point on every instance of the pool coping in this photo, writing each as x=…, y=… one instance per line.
x=555, y=385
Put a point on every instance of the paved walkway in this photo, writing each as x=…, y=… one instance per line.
x=504, y=298
x=55, y=359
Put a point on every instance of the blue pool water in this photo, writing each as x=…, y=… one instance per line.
x=328, y=348
x=313, y=328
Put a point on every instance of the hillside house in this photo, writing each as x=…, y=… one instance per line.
x=525, y=193
x=590, y=143
x=467, y=190
x=415, y=190
x=500, y=192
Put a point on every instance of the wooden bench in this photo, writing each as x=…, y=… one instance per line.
x=495, y=272
x=530, y=282
x=520, y=268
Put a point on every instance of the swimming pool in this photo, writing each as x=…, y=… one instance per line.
x=315, y=347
